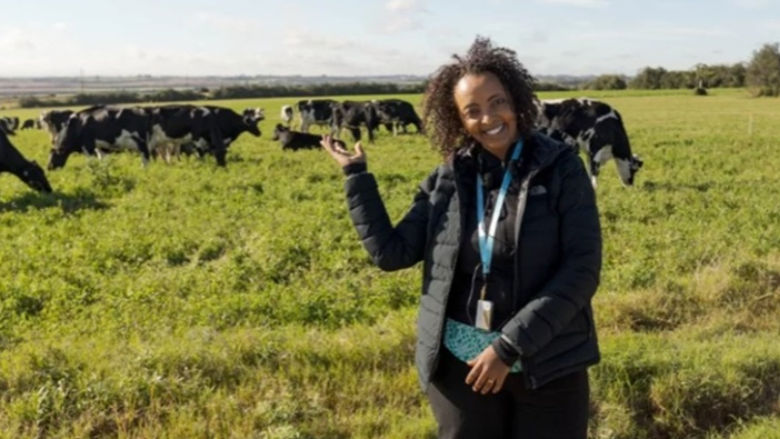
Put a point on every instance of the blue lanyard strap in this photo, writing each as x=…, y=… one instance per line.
x=486, y=240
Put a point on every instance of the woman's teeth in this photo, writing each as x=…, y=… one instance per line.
x=495, y=130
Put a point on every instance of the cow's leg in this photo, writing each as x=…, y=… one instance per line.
x=355, y=133
x=89, y=148
x=220, y=154
x=594, y=171
x=144, y=149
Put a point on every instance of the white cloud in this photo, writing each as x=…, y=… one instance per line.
x=402, y=16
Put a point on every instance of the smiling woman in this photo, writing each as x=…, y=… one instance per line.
x=505, y=328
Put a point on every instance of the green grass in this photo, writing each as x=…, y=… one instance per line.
x=185, y=300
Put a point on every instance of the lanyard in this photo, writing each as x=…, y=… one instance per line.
x=486, y=240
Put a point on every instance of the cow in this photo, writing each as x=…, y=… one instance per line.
x=316, y=111
x=205, y=129
x=286, y=114
x=594, y=127
x=54, y=122
x=30, y=124
x=352, y=115
x=296, y=140
x=11, y=160
x=395, y=113
x=8, y=125
x=100, y=129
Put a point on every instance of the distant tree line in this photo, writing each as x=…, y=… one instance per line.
x=654, y=78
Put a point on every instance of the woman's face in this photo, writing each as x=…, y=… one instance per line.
x=487, y=112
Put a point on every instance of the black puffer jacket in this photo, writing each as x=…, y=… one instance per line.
x=557, y=262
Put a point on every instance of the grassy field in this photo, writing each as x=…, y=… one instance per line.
x=185, y=300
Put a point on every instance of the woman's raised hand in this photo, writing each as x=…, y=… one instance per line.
x=341, y=155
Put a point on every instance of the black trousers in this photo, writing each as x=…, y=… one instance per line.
x=558, y=409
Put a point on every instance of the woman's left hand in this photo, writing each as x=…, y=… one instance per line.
x=488, y=372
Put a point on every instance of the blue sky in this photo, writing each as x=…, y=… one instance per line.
x=364, y=37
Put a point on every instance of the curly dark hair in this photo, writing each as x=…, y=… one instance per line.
x=440, y=114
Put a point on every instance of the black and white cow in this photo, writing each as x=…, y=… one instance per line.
x=315, y=112
x=100, y=129
x=352, y=115
x=594, y=127
x=395, y=113
x=11, y=160
x=9, y=125
x=286, y=114
x=206, y=129
x=296, y=140
x=54, y=122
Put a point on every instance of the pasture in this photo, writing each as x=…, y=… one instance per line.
x=186, y=300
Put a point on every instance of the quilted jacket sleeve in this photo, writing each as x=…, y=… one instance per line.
x=391, y=248
x=575, y=281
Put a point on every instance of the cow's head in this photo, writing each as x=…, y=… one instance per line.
x=279, y=130
x=65, y=144
x=627, y=169
x=33, y=175
x=251, y=117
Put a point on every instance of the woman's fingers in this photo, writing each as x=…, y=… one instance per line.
x=499, y=385
x=474, y=373
x=484, y=383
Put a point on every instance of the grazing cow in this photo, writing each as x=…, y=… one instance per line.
x=11, y=160
x=205, y=129
x=594, y=127
x=352, y=115
x=30, y=124
x=286, y=114
x=316, y=111
x=296, y=140
x=9, y=125
x=101, y=129
x=394, y=113
x=54, y=122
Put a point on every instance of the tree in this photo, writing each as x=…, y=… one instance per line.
x=607, y=82
x=649, y=78
x=763, y=72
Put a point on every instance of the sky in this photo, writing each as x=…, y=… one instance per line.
x=373, y=37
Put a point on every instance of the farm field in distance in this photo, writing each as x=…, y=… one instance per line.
x=187, y=300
